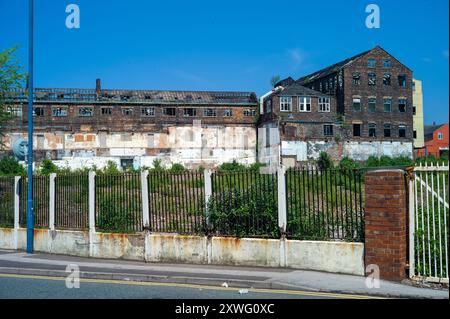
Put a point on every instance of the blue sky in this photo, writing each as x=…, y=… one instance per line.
x=225, y=45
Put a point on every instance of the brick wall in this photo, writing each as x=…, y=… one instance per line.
x=386, y=222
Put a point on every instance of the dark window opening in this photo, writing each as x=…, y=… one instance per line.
x=228, y=113
x=387, y=130
x=372, y=105
x=209, y=112
x=85, y=112
x=402, y=81
x=402, y=131
x=414, y=110
x=387, y=79
x=106, y=111
x=190, y=112
x=415, y=134
x=402, y=105
x=328, y=130
x=371, y=63
x=372, y=77
x=170, y=111
x=59, y=112
x=372, y=130
x=356, y=104
x=127, y=111
x=356, y=129
x=38, y=111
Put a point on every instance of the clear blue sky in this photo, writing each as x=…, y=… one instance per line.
x=225, y=45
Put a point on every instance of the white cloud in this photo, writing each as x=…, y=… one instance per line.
x=427, y=60
x=445, y=54
x=297, y=57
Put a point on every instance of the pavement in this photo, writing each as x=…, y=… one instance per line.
x=19, y=265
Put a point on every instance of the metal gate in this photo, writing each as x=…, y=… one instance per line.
x=428, y=223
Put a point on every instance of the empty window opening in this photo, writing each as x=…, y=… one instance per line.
x=372, y=130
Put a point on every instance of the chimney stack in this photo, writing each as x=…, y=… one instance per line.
x=98, y=86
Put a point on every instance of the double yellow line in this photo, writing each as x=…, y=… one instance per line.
x=161, y=284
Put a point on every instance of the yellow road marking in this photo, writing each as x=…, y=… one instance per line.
x=162, y=284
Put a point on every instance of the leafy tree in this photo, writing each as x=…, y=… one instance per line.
x=9, y=166
x=47, y=167
x=274, y=80
x=324, y=161
x=177, y=168
x=10, y=78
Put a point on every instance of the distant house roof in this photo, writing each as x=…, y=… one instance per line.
x=285, y=82
x=130, y=96
x=429, y=131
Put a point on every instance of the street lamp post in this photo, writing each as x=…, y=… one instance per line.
x=30, y=213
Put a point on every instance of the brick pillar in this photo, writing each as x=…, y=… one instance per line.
x=386, y=222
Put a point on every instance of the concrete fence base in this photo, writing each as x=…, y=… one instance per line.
x=336, y=257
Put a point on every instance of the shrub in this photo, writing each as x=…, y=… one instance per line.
x=47, y=167
x=157, y=165
x=114, y=218
x=324, y=162
x=9, y=166
x=110, y=168
x=348, y=164
x=231, y=167
x=177, y=168
x=372, y=161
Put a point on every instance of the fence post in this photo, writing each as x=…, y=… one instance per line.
x=208, y=192
x=16, y=211
x=412, y=228
x=282, y=216
x=144, y=193
x=51, y=220
x=91, y=212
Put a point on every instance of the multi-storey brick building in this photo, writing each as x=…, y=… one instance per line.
x=373, y=96
x=79, y=127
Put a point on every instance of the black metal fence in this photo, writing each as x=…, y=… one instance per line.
x=325, y=204
x=118, y=201
x=244, y=204
x=7, y=202
x=72, y=201
x=176, y=202
x=40, y=201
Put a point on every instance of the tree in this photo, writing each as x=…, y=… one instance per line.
x=274, y=80
x=10, y=78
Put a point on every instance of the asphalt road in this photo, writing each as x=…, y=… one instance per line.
x=26, y=287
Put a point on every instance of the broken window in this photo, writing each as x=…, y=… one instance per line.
x=328, y=130
x=371, y=63
x=227, y=113
x=387, y=105
x=386, y=63
x=190, y=112
x=402, y=105
x=387, y=130
x=169, y=111
x=414, y=110
x=106, y=110
x=38, y=111
x=356, y=78
x=356, y=129
x=372, y=79
x=372, y=105
x=209, y=112
x=268, y=106
x=286, y=104
x=324, y=104
x=402, y=131
x=372, y=130
x=85, y=112
x=356, y=104
x=16, y=111
x=387, y=79
x=402, y=81
x=304, y=104
x=249, y=112
x=126, y=163
x=59, y=111
x=127, y=111
x=148, y=111
x=415, y=134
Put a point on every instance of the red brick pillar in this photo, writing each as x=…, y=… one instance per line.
x=386, y=218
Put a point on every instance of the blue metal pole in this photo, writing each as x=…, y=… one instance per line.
x=30, y=213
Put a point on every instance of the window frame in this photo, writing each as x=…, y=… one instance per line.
x=405, y=104
x=440, y=136
x=125, y=111
x=145, y=108
x=372, y=126
x=354, y=103
x=229, y=111
x=330, y=131
x=189, y=112
x=405, y=80
x=369, y=65
x=82, y=108
x=360, y=129
x=374, y=102
x=303, y=102
x=213, y=112
x=387, y=76
x=285, y=101
x=400, y=128
x=102, y=111
x=389, y=63
x=390, y=105
x=324, y=104
x=373, y=76
x=170, y=108
x=41, y=114
x=386, y=127
x=54, y=108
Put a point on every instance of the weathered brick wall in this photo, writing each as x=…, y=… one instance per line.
x=386, y=222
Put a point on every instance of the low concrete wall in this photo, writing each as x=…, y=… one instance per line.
x=337, y=257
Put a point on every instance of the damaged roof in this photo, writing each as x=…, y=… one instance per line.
x=296, y=89
x=330, y=69
x=142, y=96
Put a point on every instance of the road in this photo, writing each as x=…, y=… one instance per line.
x=24, y=287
